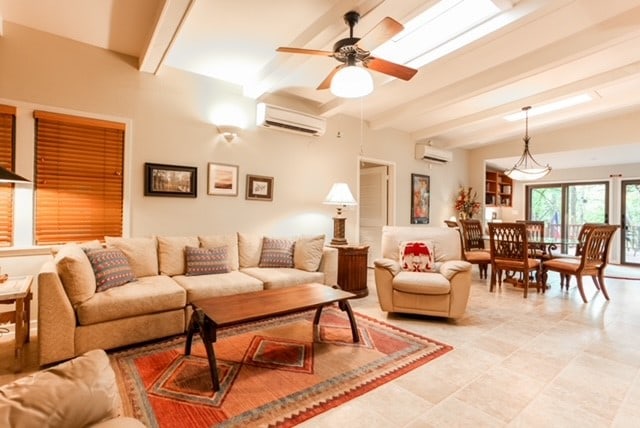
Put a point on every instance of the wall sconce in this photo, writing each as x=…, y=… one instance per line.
x=229, y=132
x=341, y=196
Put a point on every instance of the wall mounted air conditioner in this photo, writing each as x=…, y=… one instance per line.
x=432, y=154
x=284, y=119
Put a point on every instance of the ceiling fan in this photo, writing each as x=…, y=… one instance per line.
x=353, y=50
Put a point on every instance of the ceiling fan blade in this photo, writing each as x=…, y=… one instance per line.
x=391, y=68
x=383, y=31
x=304, y=51
x=326, y=83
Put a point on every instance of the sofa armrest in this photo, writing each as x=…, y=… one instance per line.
x=329, y=265
x=76, y=393
x=391, y=265
x=452, y=267
x=384, y=271
x=56, y=318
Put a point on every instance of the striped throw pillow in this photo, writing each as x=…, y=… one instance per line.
x=205, y=261
x=277, y=253
x=111, y=268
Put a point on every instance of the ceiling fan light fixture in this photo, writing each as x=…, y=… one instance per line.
x=527, y=168
x=351, y=82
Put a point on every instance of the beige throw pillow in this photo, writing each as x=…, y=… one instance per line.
x=76, y=273
x=249, y=249
x=141, y=252
x=230, y=241
x=308, y=253
x=171, y=253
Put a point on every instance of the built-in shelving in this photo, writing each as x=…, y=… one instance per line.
x=498, y=188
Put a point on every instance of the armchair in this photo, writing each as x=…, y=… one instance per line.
x=443, y=291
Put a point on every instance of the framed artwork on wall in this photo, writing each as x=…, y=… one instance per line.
x=419, y=199
x=170, y=180
x=259, y=188
x=222, y=179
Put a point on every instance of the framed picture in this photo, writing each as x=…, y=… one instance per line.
x=419, y=199
x=223, y=179
x=259, y=188
x=170, y=180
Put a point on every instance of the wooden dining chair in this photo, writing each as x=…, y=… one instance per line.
x=592, y=261
x=535, y=237
x=473, y=249
x=582, y=236
x=509, y=250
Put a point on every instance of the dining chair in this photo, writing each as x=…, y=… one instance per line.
x=535, y=237
x=473, y=249
x=592, y=261
x=582, y=236
x=509, y=250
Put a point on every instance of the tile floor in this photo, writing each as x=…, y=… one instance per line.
x=547, y=361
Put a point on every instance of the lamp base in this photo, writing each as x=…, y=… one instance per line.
x=338, y=231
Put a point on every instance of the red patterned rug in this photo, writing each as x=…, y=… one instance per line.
x=272, y=373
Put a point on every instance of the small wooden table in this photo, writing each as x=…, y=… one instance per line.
x=211, y=314
x=352, y=268
x=17, y=290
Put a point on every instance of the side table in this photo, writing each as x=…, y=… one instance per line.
x=17, y=290
x=352, y=268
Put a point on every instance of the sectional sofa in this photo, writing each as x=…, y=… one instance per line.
x=155, y=279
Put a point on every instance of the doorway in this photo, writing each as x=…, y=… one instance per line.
x=376, y=206
x=630, y=222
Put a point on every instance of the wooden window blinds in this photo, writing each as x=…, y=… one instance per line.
x=7, y=142
x=78, y=176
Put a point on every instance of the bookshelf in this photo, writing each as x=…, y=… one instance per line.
x=498, y=188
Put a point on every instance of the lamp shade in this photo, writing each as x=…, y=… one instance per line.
x=340, y=194
x=7, y=176
x=351, y=82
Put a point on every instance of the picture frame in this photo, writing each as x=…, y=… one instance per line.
x=222, y=179
x=420, y=203
x=170, y=180
x=259, y=188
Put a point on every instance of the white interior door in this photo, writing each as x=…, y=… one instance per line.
x=373, y=208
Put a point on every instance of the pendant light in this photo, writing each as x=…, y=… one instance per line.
x=527, y=168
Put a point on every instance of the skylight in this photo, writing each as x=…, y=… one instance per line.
x=439, y=30
x=554, y=106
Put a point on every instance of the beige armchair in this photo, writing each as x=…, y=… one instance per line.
x=443, y=292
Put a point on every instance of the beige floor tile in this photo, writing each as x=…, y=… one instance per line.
x=453, y=413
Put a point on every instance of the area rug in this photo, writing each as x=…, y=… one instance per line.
x=272, y=373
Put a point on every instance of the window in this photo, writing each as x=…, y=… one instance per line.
x=79, y=178
x=7, y=141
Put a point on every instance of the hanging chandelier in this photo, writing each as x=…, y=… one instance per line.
x=527, y=168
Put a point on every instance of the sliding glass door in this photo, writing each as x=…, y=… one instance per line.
x=565, y=207
x=630, y=221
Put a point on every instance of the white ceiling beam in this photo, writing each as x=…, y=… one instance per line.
x=171, y=16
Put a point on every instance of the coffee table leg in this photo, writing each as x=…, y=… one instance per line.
x=345, y=306
x=208, y=334
x=193, y=326
x=316, y=321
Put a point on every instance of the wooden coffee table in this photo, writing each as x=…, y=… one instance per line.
x=216, y=312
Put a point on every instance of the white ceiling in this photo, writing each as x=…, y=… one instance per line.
x=545, y=51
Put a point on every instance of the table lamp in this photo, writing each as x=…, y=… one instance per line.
x=341, y=196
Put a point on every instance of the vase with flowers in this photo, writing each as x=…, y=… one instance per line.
x=467, y=204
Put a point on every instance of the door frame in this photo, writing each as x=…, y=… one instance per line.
x=391, y=188
x=623, y=242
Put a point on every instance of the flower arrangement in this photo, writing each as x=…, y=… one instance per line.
x=466, y=203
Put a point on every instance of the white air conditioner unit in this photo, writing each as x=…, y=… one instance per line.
x=432, y=154
x=284, y=119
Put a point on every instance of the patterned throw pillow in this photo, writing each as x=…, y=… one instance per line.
x=417, y=256
x=277, y=253
x=205, y=261
x=111, y=268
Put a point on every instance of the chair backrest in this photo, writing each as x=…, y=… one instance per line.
x=535, y=229
x=451, y=223
x=472, y=238
x=445, y=240
x=508, y=241
x=582, y=236
x=595, y=251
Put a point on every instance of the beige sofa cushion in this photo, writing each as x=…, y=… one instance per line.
x=147, y=295
x=171, y=253
x=249, y=249
x=141, y=252
x=77, y=393
x=76, y=273
x=283, y=277
x=231, y=241
x=308, y=253
x=222, y=284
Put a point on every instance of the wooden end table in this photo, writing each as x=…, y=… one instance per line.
x=223, y=311
x=17, y=290
x=352, y=268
